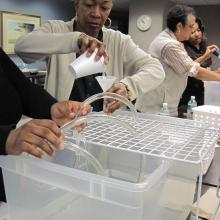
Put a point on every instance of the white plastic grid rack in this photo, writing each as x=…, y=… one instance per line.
x=165, y=137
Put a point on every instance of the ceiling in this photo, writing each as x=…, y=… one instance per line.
x=124, y=4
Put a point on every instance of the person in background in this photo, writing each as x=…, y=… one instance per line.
x=136, y=70
x=200, y=52
x=21, y=97
x=178, y=66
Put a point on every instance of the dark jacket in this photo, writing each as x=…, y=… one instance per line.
x=18, y=96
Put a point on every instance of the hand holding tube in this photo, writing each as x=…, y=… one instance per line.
x=110, y=104
x=35, y=137
x=63, y=112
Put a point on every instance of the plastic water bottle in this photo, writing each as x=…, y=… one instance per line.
x=164, y=110
x=217, y=53
x=191, y=104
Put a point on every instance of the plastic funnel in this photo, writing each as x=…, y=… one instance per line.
x=105, y=82
x=84, y=66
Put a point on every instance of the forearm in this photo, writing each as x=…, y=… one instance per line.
x=207, y=75
x=38, y=45
x=38, y=103
x=201, y=59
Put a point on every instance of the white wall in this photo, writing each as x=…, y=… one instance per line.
x=44, y=8
x=157, y=10
x=47, y=9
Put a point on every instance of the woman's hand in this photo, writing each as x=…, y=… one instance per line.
x=35, y=137
x=89, y=44
x=63, y=112
x=110, y=104
x=209, y=51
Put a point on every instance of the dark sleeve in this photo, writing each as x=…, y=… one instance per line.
x=4, y=132
x=36, y=102
x=207, y=63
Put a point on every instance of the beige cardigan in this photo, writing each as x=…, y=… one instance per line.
x=171, y=89
x=56, y=43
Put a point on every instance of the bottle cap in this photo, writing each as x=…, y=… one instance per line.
x=165, y=104
x=192, y=97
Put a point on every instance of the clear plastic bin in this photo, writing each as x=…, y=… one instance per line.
x=137, y=187
x=151, y=175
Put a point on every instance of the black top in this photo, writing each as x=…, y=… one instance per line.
x=195, y=53
x=195, y=87
x=18, y=96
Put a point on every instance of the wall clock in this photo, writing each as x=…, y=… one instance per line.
x=144, y=22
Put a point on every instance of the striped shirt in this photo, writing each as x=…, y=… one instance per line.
x=177, y=66
x=175, y=56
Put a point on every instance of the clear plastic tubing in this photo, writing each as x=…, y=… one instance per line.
x=116, y=97
x=94, y=117
x=89, y=157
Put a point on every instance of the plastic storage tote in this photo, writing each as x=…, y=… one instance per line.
x=38, y=189
x=211, y=115
x=150, y=175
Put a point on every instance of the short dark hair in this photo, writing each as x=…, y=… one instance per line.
x=178, y=13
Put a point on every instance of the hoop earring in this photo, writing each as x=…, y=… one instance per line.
x=108, y=23
x=75, y=18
